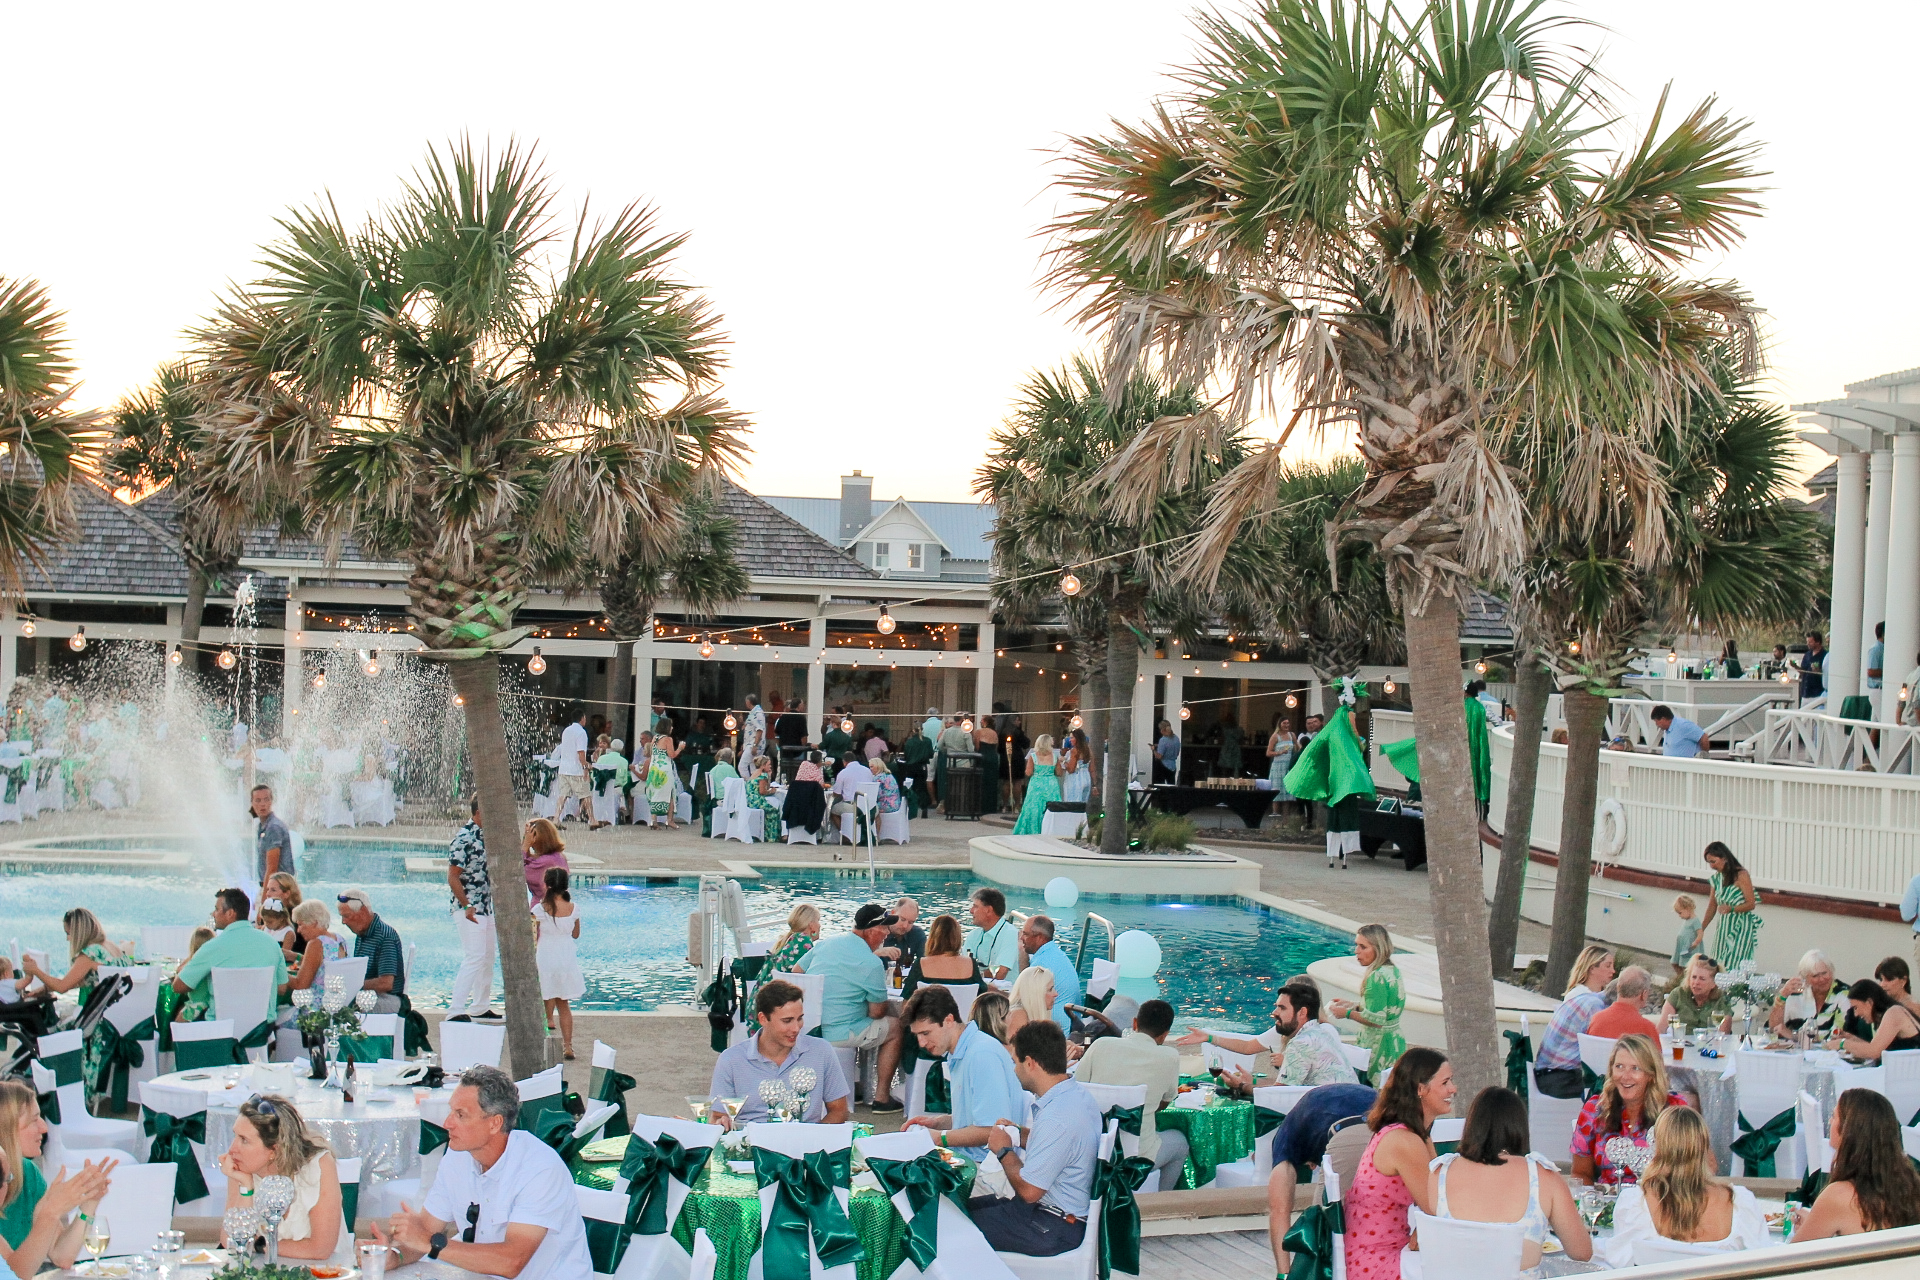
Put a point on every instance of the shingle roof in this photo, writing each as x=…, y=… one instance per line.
x=775, y=545
x=966, y=527
x=117, y=551
x=1485, y=618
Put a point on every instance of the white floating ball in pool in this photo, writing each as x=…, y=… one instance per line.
x=1137, y=954
x=1062, y=893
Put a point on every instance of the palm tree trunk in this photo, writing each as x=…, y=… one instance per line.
x=1123, y=669
x=477, y=680
x=1530, y=714
x=1586, y=714
x=1094, y=698
x=1456, y=890
x=192, y=611
x=620, y=696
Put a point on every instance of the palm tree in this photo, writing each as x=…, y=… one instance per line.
x=46, y=444
x=441, y=386
x=1742, y=554
x=692, y=556
x=1533, y=683
x=1057, y=517
x=1398, y=212
x=157, y=443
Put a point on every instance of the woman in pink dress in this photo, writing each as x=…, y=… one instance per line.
x=1393, y=1173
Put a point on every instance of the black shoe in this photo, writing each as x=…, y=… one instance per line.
x=459, y=1017
x=888, y=1104
x=491, y=1016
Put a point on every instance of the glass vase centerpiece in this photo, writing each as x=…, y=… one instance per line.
x=273, y=1195
x=323, y=1021
x=1749, y=992
x=780, y=1099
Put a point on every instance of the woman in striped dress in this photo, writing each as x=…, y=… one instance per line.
x=1734, y=900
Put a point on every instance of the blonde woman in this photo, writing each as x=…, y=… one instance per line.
x=87, y=949
x=1031, y=999
x=1678, y=1198
x=1631, y=1103
x=269, y=1137
x=313, y=934
x=33, y=1211
x=1556, y=1069
x=1383, y=998
x=1043, y=786
x=803, y=930
x=991, y=1013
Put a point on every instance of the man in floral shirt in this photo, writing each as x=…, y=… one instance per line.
x=472, y=894
x=1307, y=1050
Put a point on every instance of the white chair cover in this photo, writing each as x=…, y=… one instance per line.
x=797, y=1140
x=1082, y=1263
x=964, y=1253
x=352, y=972
x=705, y=1257
x=547, y=1084
x=1596, y=1052
x=244, y=997
x=1454, y=1249
x=1813, y=1132
x=744, y=822
x=471, y=1044
x=139, y=1205
x=183, y=1100
x=1900, y=1081
x=1359, y=1057
x=895, y=827
x=349, y=1171
x=1105, y=974
x=661, y=1257
x=1109, y=1096
x=78, y=1127
x=129, y=1011
x=813, y=989
x=1550, y=1122
x=1764, y=1085
x=165, y=941
x=1448, y=1129
x=1254, y=1170
x=866, y=799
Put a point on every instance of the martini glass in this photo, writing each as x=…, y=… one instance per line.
x=700, y=1107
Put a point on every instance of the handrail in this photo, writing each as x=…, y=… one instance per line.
x=1794, y=1258
x=1086, y=931
x=1817, y=740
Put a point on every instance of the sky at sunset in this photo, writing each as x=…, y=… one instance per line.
x=862, y=182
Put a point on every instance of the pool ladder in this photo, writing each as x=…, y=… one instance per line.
x=1086, y=931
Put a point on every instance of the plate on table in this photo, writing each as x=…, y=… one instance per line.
x=204, y=1258
x=1552, y=1245
x=605, y=1151
x=332, y=1271
x=198, y=1075
x=105, y=1267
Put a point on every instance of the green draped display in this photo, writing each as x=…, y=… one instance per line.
x=120, y=1055
x=1756, y=1147
x=924, y=1179
x=1404, y=755
x=805, y=1207
x=173, y=1139
x=1332, y=768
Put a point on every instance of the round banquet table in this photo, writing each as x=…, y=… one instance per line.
x=1822, y=1074
x=380, y=1128
x=1216, y=1135
x=727, y=1204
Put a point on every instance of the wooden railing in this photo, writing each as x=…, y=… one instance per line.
x=1812, y=740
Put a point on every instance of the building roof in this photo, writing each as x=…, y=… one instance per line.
x=965, y=527
x=1903, y=378
x=118, y=550
x=1485, y=618
x=773, y=544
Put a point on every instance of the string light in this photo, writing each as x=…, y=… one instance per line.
x=706, y=648
x=1074, y=723
x=176, y=657
x=731, y=722
x=967, y=724
x=1293, y=700
x=227, y=660
x=1672, y=656
x=1390, y=687
x=27, y=628
x=1186, y=712
x=78, y=640
x=459, y=700
x=536, y=665
x=1480, y=668
x=886, y=622
x=373, y=667
x=1573, y=646
x=1069, y=585
x=320, y=682
x=846, y=725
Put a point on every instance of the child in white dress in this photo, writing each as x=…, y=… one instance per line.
x=557, y=930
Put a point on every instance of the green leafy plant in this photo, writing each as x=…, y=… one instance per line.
x=1164, y=833
x=314, y=1020
x=247, y=1269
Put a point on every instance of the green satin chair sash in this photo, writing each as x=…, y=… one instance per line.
x=66, y=1067
x=805, y=1207
x=173, y=1139
x=1310, y=1241
x=924, y=1179
x=432, y=1137
x=50, y=1107
x=611, y=1086
x=1266, y=1120
x=1129, y=1118
x=120, y=1055
x=1114, y=1184
x=1519, y=1057
x=349, y=1203
x=200, y=1055
x=1756, y=1147
x=647, y=1166
x=365, y=1048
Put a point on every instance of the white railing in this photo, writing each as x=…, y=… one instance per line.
x=1812, y=740
x=1632, y=718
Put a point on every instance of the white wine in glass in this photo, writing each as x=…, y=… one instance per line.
x=99, y=1236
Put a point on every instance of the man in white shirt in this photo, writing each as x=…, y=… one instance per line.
x=993, y=940
x=503, y=1203
x=1305, y=1050
x=853, y=775
x=753, y=735
x=572, y=783
x=1143, y=1056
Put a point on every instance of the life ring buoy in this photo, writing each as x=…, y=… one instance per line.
x=1610, y=829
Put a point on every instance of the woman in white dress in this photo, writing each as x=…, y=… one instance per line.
x=269, y=1137
x=1679, y=1199
x=1280, y=756
x=557, y=925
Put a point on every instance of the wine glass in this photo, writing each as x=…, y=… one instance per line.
x=99, y=1236
x=700, y=1106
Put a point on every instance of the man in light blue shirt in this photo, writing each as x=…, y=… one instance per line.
x=236, y=945
x=1036, y=940
x=985, y=1087
x=1877, y=657
x=1680, y=736
x=993, y=941
x=854, y=1010
x=1910, y=912
x=930, y=727
x=1052, y=1171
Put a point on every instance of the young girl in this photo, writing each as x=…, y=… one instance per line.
x=1686, y=945
x=557, y=928
x=275, y=920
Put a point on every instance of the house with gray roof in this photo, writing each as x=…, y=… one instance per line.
x=905, y=538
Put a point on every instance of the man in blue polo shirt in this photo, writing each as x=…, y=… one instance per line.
x=236, y=944
x=775, y=1054
x=985, y=1088
x=855, y=1011
x=1052, y=1167
x=1680, y=736
x=1036, y=940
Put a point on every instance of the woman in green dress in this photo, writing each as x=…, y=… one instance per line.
x=87, y=949
x=803, y=930
x=1734, y=900
x=760, y=796
x=660, y=774
x=1383, y=998
x=1043, y=785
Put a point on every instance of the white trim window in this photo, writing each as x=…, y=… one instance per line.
x=915, y=553
x=882, y=555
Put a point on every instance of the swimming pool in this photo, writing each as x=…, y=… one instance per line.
x=1222, y=958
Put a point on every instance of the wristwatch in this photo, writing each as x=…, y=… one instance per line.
x=437, y=1243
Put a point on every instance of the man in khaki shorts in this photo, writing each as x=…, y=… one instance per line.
x=856, y=1010
x=572, y=782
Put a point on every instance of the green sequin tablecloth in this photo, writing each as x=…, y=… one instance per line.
x=727, y=1204
x=1216, y=1135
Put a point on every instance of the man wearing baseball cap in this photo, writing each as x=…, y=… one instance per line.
x=855, y=1011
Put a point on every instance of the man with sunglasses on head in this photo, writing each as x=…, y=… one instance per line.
x=503, y=1203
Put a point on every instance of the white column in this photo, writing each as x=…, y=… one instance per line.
x=816, y=676
x=642, y=691
x=9, y=656
x=950, y=676
x=983, y=680
x=1903, y=561
x=1142, y=724
x=1849, y=575
x=1873, y=598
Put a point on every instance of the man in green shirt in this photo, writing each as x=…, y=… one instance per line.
x=236, y=944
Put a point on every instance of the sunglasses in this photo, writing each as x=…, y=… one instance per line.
x=473, y=1223
x=264, y=1105
x=345, y=898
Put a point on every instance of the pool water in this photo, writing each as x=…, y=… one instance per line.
x=1222, y=958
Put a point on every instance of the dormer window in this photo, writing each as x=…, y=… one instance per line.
x=882, y=555
x=914, y=560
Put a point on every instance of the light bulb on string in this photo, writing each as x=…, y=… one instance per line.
x=1186, y=712
x=227, y=660
x=320, y=682
x=1074, y=723
x=1069, y=585
x=373, y=667
x=536, y=665
x=27, y=628
x=1480, y=668
x=78, y=640
x=459, y=700
x=885, y=624
x=706, y=648
x=731, y=722
x=1573, y=646
x=299, y=637
x=967, y=724
x=175, y=657
x=846, y=725
x=1293, y=700
x=1672, y=656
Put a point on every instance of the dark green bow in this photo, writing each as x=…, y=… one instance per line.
x=606, y=1245
x=120, y=1054
x=1113, y=1186
x=200, y=1055
x=552, y=1126
x=1590, y=1081
x=432, y=1137
x=365, y=1048
x=1129, y=1118
x=646, y=1167
x=1755, y=1147
x=1810, y=1187
x=164, y=1006
x=1310, y=1241
x=939, y=1090
x=1266, y=1120
x=66, y=1067
x=611, y=1086
x=258, y=1038
x=415, y=1022
x=1519, y=1055
x=601, y=777
x=16, y=776
x=924, y=1179
x=173, y=1139
x=805, y=1206
x=50, y=1107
